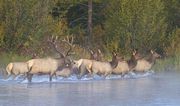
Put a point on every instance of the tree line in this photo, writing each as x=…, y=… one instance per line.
x=121, y=25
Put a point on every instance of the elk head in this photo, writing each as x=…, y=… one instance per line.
x=96, y=55
x=65, y=56
x=114, y=61
x=155, y=54
x=136, y=55
x=133, y=60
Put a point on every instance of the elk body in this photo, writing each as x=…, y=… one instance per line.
x=146, y=64
x=45, y=66
x=124, y=67
x=49, y=65
x=67, y=70
x=103, y=68
x=82, y=64
x=16, y=68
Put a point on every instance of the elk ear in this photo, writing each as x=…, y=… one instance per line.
x=91, y=52
x=99, y=51
x=134, y=52
x=152, y=52
x=114, y=53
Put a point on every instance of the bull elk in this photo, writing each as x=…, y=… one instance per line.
x=50, y=65
x=146, y=64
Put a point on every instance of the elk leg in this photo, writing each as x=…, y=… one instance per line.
x=82, y=70
x=50, y=77
x=122, y=74
x=55, y=76
x=7, y=76
x=29, y=77
x=90, y=75
x=14, y=77
x=25, y=75
x=81, y=75
x=15, y=74
x=106, y=74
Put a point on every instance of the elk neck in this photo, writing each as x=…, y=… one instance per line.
x=132, y=62
x=114, y=62
x=151, y=59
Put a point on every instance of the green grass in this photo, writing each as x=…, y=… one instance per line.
x=168, y=63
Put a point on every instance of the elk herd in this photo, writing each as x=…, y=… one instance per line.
x=65, y=66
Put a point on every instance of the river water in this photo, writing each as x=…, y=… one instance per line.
x=147, y=89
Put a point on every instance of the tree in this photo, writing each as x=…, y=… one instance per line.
x=135, y=24
x=89, y=38
x=24, y=22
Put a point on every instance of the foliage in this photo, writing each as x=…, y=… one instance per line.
x=174, y=39
x=136, y=24
x=118, y=25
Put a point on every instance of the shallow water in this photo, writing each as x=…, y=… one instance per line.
x=148, y=89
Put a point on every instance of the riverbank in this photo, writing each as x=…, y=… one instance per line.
x=168, y=64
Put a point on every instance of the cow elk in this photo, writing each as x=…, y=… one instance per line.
x=82, y=64
x=146, y=64
x=103, y=68
x=16, y=68
x=124, y=66
x=67, y=70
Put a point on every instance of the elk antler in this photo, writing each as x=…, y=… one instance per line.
x=69, y=41
x=53, y=42
x=91, y=54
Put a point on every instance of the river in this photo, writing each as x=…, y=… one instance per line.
x=148, y=89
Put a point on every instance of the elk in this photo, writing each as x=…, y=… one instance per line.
x=124, y=67
x=50, y=65
x=103, y=68
x=16, y=68
x=82, y=64
x=96, y=55
x=146, y=64
x=66, y=71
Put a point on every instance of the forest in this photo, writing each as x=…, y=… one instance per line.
x=120, y=25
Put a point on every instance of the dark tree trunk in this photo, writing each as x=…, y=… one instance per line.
x=89, y=37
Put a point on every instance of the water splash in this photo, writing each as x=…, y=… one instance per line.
x=73, y=78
